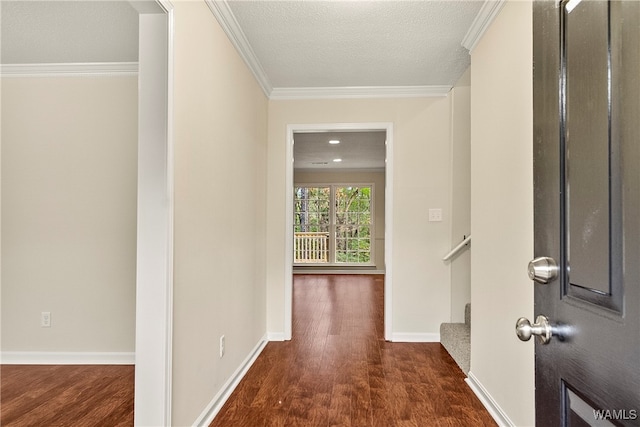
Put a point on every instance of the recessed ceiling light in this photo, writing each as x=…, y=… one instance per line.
x=334, y=141
x=337, y=160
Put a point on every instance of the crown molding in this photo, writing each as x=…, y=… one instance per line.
x=481, y=23
x=358, y=92
x=69, y=69
x=228, y=22
x=223, y=14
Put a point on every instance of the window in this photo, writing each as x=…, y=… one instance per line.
x=353, y=224
x=333, y=224
x=311, y=224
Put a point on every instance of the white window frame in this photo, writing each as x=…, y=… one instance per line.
x=332, y=224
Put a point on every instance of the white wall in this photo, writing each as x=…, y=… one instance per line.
x=460, y=193
x=421, y=292
x=220, y=168
x=502, y=210
x=69, y=171
x=375, y=178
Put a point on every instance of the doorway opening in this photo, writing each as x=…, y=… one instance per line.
x=338, y=206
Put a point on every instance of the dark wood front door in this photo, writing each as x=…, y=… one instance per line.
x=587, y=212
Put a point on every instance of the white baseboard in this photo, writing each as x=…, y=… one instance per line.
x=492, y=406
x=337, y=271
x=275, y=336
x=66, y=358
x=415, y=337
x=212, y=409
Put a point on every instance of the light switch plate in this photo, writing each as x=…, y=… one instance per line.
x=435, y=215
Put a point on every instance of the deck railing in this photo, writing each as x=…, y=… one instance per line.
x=311, y=247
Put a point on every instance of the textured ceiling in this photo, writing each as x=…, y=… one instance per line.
x=358, y=43
x=297, y=44
x=358, y=150
x=68, y=32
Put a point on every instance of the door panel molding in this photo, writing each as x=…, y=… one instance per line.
x=591, y=236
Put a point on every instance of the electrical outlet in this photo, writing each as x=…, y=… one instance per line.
x=221, y=346
x=45, y=319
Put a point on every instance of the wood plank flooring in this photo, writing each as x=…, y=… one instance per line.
x=338, y=370
x=66, y=395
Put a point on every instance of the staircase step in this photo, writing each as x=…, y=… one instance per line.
x=456, y=339
x=467, y=314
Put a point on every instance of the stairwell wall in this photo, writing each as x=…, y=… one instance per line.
x=460, y=194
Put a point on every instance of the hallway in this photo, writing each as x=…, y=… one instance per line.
x=338, y=370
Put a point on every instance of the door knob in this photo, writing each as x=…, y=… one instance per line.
x=541, y=329
x=542, y=270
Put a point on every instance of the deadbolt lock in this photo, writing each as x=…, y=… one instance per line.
x=542, y=270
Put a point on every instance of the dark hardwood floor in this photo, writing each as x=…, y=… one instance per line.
x=338, y=370
x=66, y=395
